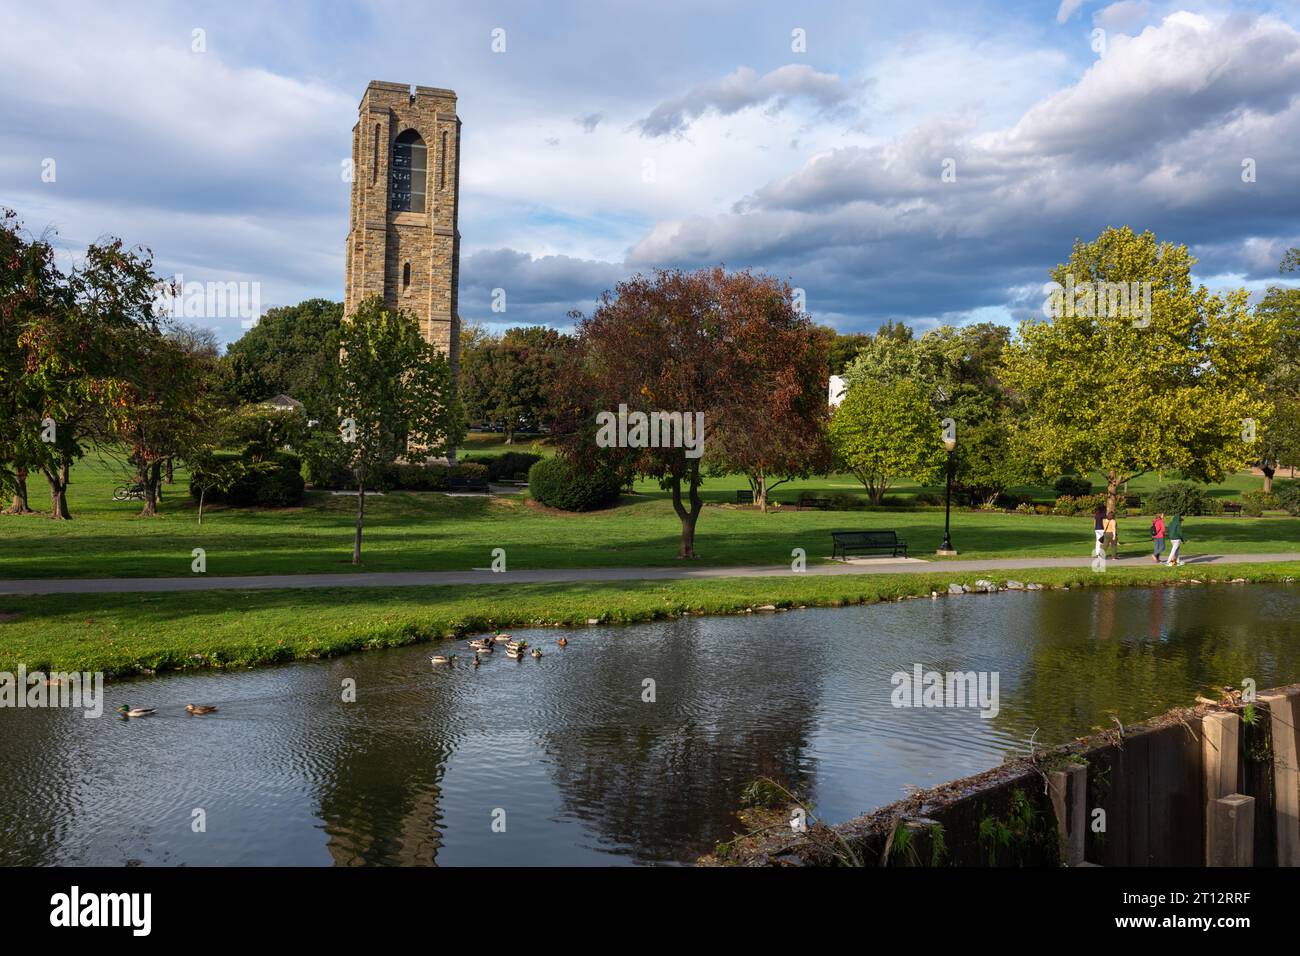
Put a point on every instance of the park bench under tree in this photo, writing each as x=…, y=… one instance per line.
x=867, y=542
x=744, y=497
x=1231, y=508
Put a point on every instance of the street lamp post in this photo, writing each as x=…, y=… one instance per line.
x=950, y=443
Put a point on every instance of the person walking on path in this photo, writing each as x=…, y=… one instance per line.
x=1110, y=536
x=1158, y=537
x=1175, y=534
x=1098, y=529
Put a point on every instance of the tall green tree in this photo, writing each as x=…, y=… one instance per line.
x=31, y=288
x=884, y=431
x=512, y=379
x=1278, y=442
x=80, y=355
x=958, y=369
x=395, y=397
x=1123, y=392
x=293, y=350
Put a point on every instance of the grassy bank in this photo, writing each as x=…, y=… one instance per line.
x=433, y=532
x=123, y=634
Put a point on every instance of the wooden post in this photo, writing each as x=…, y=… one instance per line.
x=1282, y=710
x=1069, y=791
x=1234, y=831
x=1220, y=733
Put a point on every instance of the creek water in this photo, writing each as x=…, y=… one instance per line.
x=561, y=760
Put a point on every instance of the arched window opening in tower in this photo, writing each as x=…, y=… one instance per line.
x=409, y=169
x=406, y=275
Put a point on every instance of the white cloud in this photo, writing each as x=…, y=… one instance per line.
x=744, y=89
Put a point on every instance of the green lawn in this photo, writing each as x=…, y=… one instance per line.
x=122, y=634
x=430, y=531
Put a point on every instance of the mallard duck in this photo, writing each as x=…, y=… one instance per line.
x=483, y=650
x=126, y=711
x=514, y=654
x=516, y=645
x=440, y=659
x=200, y=709
x=477, y=662
x=563, y=642
x=536, y=652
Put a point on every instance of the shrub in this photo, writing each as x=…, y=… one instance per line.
x=1251, y=507
x=1085, y=505
x=1073, y=486
x=274, y=483
x=1264, y=499
x=928, y=498
x=1213, y=506
x=1288, y=496
x=569, y=486
x=845, y=501
x=504, y=467
x=1176, y=498
x=325, y=460
x=1025, y=508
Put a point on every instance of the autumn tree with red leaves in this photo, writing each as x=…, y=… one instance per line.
x=728, y=345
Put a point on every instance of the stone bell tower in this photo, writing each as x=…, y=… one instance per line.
x=403, y=243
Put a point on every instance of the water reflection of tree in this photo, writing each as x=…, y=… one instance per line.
x=663, y=780
x=1143, y=651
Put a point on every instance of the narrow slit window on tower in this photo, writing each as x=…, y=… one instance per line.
x=442, y=162
x=406, y=275
x=374, y=168
x=409, y=172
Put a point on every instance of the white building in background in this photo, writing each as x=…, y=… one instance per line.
x=837, y=390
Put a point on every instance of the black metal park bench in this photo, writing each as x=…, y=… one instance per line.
x=821, y=504
x=867, y=542
x=744, y=497
x=458, y=483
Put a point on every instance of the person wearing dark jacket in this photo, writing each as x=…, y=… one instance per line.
x=1174, y=532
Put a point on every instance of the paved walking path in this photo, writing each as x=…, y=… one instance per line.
x=388, y=579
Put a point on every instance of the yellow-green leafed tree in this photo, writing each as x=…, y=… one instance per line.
x=1172, y=380
x=884, y=431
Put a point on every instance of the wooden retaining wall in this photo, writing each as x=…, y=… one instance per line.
x=1192, y=787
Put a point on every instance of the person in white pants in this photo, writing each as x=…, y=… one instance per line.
x=1174, y=532
x=1099, y=528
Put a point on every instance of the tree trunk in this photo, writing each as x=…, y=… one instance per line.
x=1268, y=471
x=202, y=492
x=758, y=483
x=171, y=478
x=691, y=516
x=1112, y=492
x=149, y=478
x=510, y=436
x=361, y=517
x=20, y=505
x=58, y=481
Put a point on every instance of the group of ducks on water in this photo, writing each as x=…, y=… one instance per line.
x=126, y=711
x=515, y=650
x=483, y=646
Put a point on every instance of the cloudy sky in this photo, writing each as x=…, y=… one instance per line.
x=808, y=140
